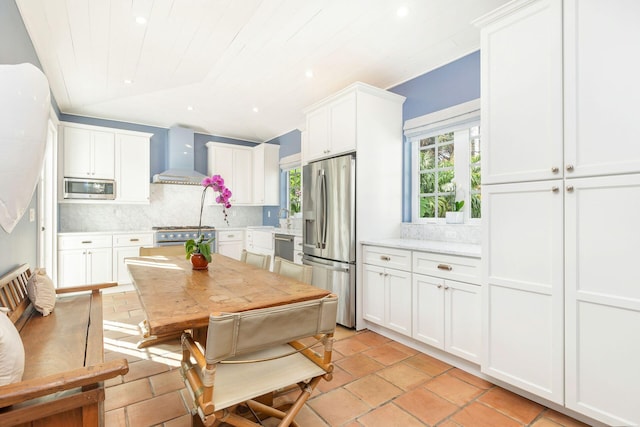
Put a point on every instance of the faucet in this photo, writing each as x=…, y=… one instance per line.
x=286, y=216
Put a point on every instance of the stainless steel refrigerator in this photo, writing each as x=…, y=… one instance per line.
x=329, y=229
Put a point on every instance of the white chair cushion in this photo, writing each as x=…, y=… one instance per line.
x=11, y=351
x=41, y=292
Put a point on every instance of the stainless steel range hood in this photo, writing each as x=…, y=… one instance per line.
x=181, y=159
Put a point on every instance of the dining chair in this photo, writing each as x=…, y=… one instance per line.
x=162, y=250
x=287, y=268
x=253, y=353
x=257, y=260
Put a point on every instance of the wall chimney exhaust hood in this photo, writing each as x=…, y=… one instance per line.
x=181, y=159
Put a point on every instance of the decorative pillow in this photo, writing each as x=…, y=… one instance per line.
x=11, y=351
x=41, y=292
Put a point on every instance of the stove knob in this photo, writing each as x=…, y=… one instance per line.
x=179, y=235
x=171, y=236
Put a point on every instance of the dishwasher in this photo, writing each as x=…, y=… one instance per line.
x=283, y=246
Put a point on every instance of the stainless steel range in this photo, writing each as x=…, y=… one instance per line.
x=177, y=235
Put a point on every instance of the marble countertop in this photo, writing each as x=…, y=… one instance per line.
x=95, y=233
x=449, y=248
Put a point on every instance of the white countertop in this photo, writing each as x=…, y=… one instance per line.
x=450, y=248
x=95, y=233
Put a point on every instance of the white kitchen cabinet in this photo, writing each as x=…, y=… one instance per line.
x=523, y=286
x=127, y=245
x=266, y=175
x=230, y=243
x=297, y=250
x=601, y=98
x=521, y=93
x=331, y=127
x=387, y=291
x=84, y=259
x=235, y=164
x=603, y=297
x=88, y=153
x=260, y=240
x=447, y=312
x=560, y=287
x=132, y=168
x=447, y=315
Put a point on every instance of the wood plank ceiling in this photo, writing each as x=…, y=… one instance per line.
x=207, y=64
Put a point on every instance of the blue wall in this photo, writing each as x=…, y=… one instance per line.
x=16, y=48
x=449, y=85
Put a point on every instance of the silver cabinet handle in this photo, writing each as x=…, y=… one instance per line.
x=439, y=286
x=555, y=169
x=86, y=241
x=569, y=168
x=385, y=258
x=446, y=287
x=445, y=267
x=555, y=188
x=134, y=240
x=570, y=188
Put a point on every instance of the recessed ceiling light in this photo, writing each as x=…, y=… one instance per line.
x=141, y=20
x=255, y=109
x=128, y=81
x=190, y=107
x=309, y=73
x=402, y=11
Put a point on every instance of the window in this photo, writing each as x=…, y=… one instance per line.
x=294, y=190
x=446, y=163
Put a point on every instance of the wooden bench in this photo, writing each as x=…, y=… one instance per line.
x=64, y=370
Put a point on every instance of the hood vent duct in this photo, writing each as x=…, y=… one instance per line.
x=181, y=159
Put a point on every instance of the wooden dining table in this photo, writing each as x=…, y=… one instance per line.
x=176, y=298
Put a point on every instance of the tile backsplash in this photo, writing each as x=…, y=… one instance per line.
x=169, y=205
x=458, y=233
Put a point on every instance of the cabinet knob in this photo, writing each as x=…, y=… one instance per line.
x=385, y=258
x=445, y=267
x=381, y=274
x=446, y=287
x=570, y=188
x=555, y=189
x=569, y=168
x=439, y=286
x=555, y=169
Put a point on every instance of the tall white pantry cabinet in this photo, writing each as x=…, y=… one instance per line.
x=561, y=195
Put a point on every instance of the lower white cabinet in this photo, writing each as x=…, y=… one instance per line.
x=84, y=259
x=387, y=287
x=447, y=315
x=387, y=298
x=230, y=243
x=97, y=257
x=297, y=250
x=125, y=246
x=437, y=308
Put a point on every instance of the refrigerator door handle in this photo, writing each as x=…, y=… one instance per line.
x=321, y=210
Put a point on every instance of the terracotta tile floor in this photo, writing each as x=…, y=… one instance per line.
x=377, y=383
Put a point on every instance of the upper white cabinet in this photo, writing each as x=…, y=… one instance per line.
x=252, y=173
x=132, y=171
x=266, y=175
x=95, y=152
x=338, y=123
x=332, y=127
x=561, y=305
x=521, y=93
x=88, y=153
x=601, y=92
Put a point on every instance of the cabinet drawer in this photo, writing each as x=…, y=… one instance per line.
x=82, y=242
x=230, y=236
x=452, y=267
x=387, y=257
x=133, y=239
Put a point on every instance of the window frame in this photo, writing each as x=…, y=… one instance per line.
x=460, y=119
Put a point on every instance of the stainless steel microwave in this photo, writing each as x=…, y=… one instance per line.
x=94, y=189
